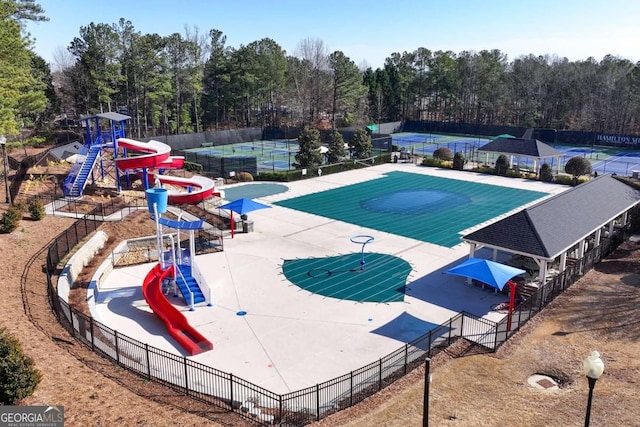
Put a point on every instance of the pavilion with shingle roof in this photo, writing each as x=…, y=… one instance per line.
x=563, y=225
x=522, y=147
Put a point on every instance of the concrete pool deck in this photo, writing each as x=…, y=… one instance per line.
x=289, y=338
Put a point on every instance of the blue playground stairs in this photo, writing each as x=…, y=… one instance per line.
x=75, y=182
x=189, y=284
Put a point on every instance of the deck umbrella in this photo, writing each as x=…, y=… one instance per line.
x=242, y=207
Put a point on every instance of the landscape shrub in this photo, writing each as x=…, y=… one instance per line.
x=18, y=375
x=577, y=166
x=244, y=177
x=502, y=165
x=546, y=173
x=36, y=209
x=443, y=153
x=428, y=161
x=193, y=167
x=458, y=161
x=11, y=218
x=569, y=180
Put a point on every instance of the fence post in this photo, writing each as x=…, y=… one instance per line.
x=519, y=319
x=317, y=402
x=429, y=346
x=115, y=335
x=186, y=376
x=146, y=352
x=462, y=326
x=406, y=357
x=450, y=328
x=351, y=388
x=280, y=404
x=73, y=326
x=231, y=391
x=93, y=345
x=380, y=374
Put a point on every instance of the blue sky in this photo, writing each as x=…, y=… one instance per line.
x=369, y=31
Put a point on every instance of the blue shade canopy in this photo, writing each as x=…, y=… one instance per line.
x=243, y=206
x=486, y=271
x=181, y=225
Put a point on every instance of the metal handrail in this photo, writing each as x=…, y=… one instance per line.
x=176, y=271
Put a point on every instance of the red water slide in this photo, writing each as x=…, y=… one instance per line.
x=199, y=188
x=178, y=326
x=156, y=155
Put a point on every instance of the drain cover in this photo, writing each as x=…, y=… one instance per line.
x=543, y=382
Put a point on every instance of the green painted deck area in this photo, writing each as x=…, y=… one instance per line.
x=426, y=208
x=381, y=278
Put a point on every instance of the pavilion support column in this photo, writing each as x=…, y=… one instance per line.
x=472, y=252
x=611, y=227
x=598, y=237
x=495, y=255
x=563, y=262
x=625, y=218
x=581, y=248
x=543, y=271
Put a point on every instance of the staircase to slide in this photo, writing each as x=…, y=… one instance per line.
x=188, y=286
x=75, y=182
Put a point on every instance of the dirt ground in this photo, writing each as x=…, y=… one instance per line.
x=598, y=313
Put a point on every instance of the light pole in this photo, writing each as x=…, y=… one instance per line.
x=592, y=367
x=425, y=403
x=3, y=141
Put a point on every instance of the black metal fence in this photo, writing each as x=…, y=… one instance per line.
x=301, y=407
x=554, y=287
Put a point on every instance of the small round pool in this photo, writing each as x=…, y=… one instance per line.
x=253, y=190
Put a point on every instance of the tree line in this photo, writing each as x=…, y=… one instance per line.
x=193, y=81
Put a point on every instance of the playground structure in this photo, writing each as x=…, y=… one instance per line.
x=107, y=152
x=176, y=270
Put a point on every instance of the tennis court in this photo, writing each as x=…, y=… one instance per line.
x=604, y=160
x=424, y=144
x=426, y=208
x=270, y=155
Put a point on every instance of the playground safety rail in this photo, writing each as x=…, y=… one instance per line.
x=177, y=272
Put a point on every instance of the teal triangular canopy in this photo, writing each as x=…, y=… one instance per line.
x=504, y=135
